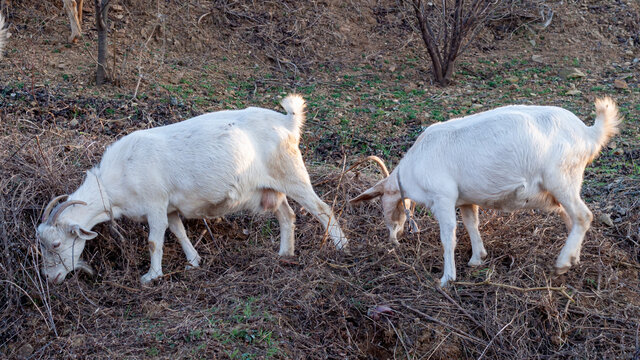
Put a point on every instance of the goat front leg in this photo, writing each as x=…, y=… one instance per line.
x=177, y=228
x=157, y=227
x=445, y=213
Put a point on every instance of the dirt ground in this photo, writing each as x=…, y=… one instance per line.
x=365, y=74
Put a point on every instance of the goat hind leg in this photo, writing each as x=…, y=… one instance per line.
x=303, y=194
x=470, y=220
x=72, y=10
x=581, y=218
x=286, y=219
x=177, y=228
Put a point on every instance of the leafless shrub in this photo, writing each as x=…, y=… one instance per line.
x=449, y=27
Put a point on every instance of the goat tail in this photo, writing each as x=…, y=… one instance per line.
x=294, y=105
x=3, y=34
x=607, y=121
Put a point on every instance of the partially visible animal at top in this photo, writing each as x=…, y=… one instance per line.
x=3, y=35
x=512, y=157
x=74, y=11
x=73, y=8
x=207, y=166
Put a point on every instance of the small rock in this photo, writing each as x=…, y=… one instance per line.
x=572, y=73
x=392, y=68
x=629, y=52
x=173, y=101
x=477, y=106
x=532, y=42
x=574, y=92
x=605, y=219
x=73, y=123
x=636, y=60
x=537, y=58
x=620, y=84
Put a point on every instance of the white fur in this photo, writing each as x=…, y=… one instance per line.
x=208, y=166
x=513, y=157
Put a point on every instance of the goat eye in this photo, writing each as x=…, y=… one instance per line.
x=56, y=245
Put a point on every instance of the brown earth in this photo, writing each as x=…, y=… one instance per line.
x=365, y=74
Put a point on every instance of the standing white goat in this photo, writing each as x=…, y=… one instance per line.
x=513, y=157
x=208, y=166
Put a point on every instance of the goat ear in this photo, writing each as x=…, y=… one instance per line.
x=83, y=233
x=371, y=193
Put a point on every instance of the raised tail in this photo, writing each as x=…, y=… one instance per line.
x=294, y=105
x=3, y=35
x=607, y=122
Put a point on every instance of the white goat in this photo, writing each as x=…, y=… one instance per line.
x=513, y=157
x=208, y=166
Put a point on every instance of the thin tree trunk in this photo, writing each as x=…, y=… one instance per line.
x=102, y=6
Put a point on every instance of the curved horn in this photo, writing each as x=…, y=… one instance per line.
x=377, y=160
x=50, y=205
x=60, y=208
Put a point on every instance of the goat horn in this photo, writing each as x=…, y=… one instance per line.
x=50, y=205
x=60, y=208
x=377, y=160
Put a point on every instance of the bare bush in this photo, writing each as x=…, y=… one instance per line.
x=447, y=29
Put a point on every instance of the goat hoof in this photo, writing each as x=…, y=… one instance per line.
x=193, y=263
x=149, y=277
x=562, y=270
x=575, y=260
x=286, y=253
x=475, y=262
x=444, y=282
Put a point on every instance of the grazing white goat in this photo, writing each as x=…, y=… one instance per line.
x=513, y=157
x=208, y=166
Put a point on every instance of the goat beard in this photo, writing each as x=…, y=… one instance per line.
x=82, y=265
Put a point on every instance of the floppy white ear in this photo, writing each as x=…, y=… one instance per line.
x=83, y=233
x=371, y=193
